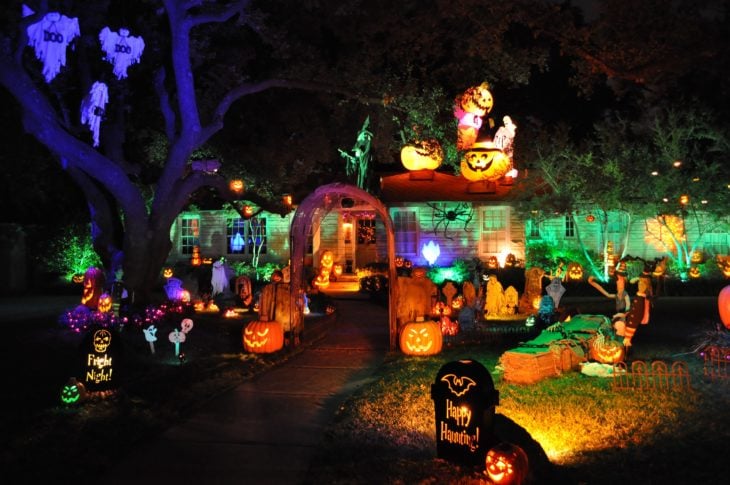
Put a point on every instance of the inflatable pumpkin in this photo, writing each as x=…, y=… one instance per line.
x=422, y=155
x=484, y=162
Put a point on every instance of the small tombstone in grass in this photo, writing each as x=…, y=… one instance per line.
x=101, y=352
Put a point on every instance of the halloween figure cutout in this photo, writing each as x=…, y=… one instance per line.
x=121, y=49
x=92, y=109
x=640, y=305
x=49, y=38
x=621, y=297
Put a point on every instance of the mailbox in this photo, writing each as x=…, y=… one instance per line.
x=464, y=399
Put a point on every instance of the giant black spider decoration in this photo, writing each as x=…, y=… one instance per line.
x=461, y=213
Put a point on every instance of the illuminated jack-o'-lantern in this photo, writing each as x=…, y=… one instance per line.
x=263, y=337
x=167, y=273
x=72, y=392
x=326, y=261
x=457, y=303
x=694, y=272
x=441, y=309
x=422, y=155
x=477, y=100
x=723, y=306
x=697, y=257
x=574, y=272
x=449, y=327
x=286, y=199
x=236, y=186
x=78, y=278
x=195, y=259
x=337, y=269
x=606, y=350
x=506, y=464
x=247, y=211
x=407, y=263
x=93, y=284
x=484, y=162
x=419, y=272
x=105, y=302
x=399, y=261
x=492, y=262
x=102, y=339
x=510, y=261
x=421, y=338
x=184, y=296
x=724, y=264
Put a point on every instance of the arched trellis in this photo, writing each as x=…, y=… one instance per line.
x=328, y=197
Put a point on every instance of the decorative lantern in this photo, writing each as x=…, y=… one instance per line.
x=421, y=338
x=506, y=464
x=236, y=186
x=195, y=258
x=492, y=262
x=247, y=211
x=167, y=273
x=263, y=337
x=422, y=155
x=484, y=161
x=574, y=272
x=105, y=302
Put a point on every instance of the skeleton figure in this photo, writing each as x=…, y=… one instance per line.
x=92, y=108
x=49, y=38
x=505, y=137
x=121, y=49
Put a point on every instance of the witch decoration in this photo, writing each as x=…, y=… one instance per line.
x=49, y=38
x=121, y=49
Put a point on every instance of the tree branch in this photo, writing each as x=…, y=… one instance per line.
x=227, y=13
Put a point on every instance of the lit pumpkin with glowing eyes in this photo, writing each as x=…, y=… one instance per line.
x=723, y=306
x=484, y=161
x=492, y=262
x=694, y=272
x=606, y=350
x=506, y=464
x=574, y=272
x=441, y=309
x=421, y=338
x=105, y=303
x=263, y=337
x=477, y=100
x=167, y=273
x=422, y=155
x=72, y=392
x=236, y=186
x=78, y=278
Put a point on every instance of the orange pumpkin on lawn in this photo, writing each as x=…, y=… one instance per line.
x=421, y=338
x=263, y=337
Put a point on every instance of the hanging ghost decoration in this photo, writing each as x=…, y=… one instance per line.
x=121, y=49
x=50, y=37
x=92, y=108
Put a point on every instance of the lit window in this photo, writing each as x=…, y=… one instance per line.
x=406, y=232
x=189, y=234
x=494, y=236
x=236, y=235
x=569, y=226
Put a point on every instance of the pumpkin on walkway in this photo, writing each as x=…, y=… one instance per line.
x=263, y=337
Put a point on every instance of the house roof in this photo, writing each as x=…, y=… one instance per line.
x=425, y=186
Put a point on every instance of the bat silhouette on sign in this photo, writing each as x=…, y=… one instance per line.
x=458, y=385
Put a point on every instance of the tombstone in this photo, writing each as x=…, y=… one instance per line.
x=464, y=400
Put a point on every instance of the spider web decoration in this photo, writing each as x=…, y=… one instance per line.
x=461, y=213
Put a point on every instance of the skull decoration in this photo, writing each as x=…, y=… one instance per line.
x=102, y=340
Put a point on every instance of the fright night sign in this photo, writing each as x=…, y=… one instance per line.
x=99, y=359
x=464, y=399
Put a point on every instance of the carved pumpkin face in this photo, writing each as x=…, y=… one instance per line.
x=72, y=392
x=102, y=340
x=457, y=303
x=327, y=260
x=506, y=464
x=195, y=258
x=575, y=272
x=337, y=269
x=105, y=302
x=78, y=278
x=441, y=309
x=422, y=155
x=247, y=211
x=606, y=351
x=724, y=265
x=167, y=273
x=694, y=272
x=263, y=337
x=698, y=257
x=484, y=162
x=236, y=186
x=399, y=261
x=477, y=100
x=421, y=338
x=492, y=262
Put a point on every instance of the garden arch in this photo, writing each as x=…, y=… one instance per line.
x=326, y=198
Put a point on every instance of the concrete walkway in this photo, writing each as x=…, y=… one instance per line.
x=266, y=430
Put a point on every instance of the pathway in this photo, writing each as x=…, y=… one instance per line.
x=266, y=430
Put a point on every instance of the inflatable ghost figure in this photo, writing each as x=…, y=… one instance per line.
x=50, y=37
x=219, y=278
x=121, y=49
x=92, y=109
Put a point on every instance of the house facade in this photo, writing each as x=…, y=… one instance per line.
x=431, y=209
